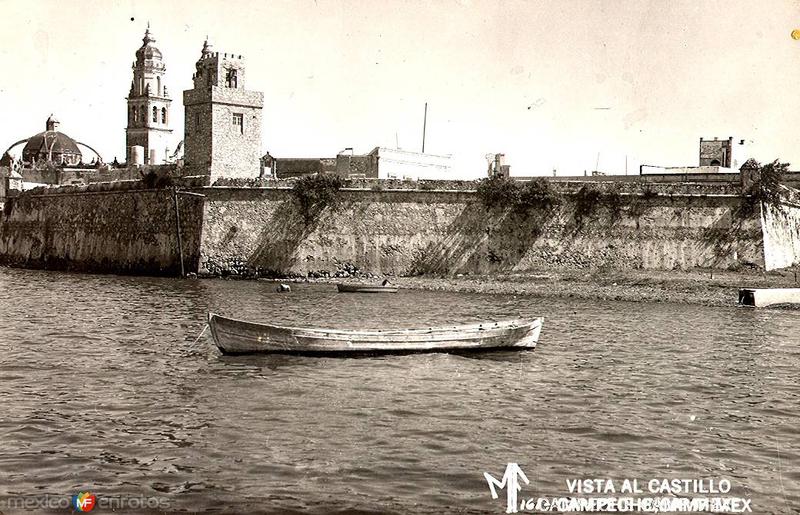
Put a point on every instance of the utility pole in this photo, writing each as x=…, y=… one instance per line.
x=175, y=194
x=178, y=227
x=424, y=126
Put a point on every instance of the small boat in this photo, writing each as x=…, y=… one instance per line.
x=365, y=288
x=237, y=336
x=762, y=297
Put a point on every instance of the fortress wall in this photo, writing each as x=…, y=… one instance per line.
x=244, y=231
x=410, y=232
x=780, y=226
x=121, y=231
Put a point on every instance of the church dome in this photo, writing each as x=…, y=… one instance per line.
x=52, y=145
x=147, y=51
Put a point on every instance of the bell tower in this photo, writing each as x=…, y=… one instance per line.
x=148, y=106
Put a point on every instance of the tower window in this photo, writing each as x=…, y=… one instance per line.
x=164, y=115
x=197, y=121
x=238, y=122
x=155, y=114
x=231, y=79
x=143, y=115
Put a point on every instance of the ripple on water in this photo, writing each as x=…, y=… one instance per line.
x=103, y=388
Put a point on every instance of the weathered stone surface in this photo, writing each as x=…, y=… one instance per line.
x=100, y=230
x=411, y=232
x=261, y=232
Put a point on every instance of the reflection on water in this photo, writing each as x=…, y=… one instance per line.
x=102, y=388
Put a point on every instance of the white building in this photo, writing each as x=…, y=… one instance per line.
x=390, y=163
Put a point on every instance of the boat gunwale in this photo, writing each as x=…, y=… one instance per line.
x=504, y=325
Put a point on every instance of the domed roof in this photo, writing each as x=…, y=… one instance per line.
x=147, y=50
x=50, y=144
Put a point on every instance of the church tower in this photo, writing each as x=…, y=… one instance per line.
x=222, y=130
x=148, y=105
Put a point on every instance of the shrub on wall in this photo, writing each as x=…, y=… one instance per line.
x=587, y=200
x=313, y=193
x=157, y=179
x=767, y=188
x=498, y=192
x=538, y=194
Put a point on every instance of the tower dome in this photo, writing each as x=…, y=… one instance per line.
x=148, y=51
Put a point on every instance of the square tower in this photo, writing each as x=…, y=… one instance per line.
x=727, y=153
x=222, y=130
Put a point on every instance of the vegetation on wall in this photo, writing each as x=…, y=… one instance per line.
x=538, y=194
x=587, y=201
x=766, y=188
x=640, y=203
x=157, y=179
x=498, y=192
x=314, y=193
x=502, y=193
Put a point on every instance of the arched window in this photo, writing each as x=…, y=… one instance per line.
x=231, y=80
x=135, y=114
x=164, y=115
x=143, y=114
x=158, y=86
x=131, y=114
x=155, y=114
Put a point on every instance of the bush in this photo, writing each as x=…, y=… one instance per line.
x=314, y=193
x=155, y=180
x=539, y=194
x=767, y=188
x=498, y=192
x=586, y=201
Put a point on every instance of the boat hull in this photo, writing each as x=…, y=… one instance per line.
x=237, y=336
x=360, y=288
x=763, y=297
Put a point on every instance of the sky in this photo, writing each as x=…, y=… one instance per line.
x=564, y=85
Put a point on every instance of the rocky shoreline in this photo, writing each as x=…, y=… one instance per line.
x=701, y=287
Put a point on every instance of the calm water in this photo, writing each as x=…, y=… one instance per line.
x=102, y=389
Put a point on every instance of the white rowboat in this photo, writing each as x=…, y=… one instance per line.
x=237, y=336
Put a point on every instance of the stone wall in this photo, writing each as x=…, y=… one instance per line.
x=410, y=232
x=119, y=230
x=780, y=226
x=293, y=167
x=122, y=228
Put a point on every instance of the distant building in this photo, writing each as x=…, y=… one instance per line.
x=148, y=107
x=716, y=156
x=498, y=166
x=722, y=153
x=222, y=130
x=390, y=163
x=292, y=167
x=380, y=163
